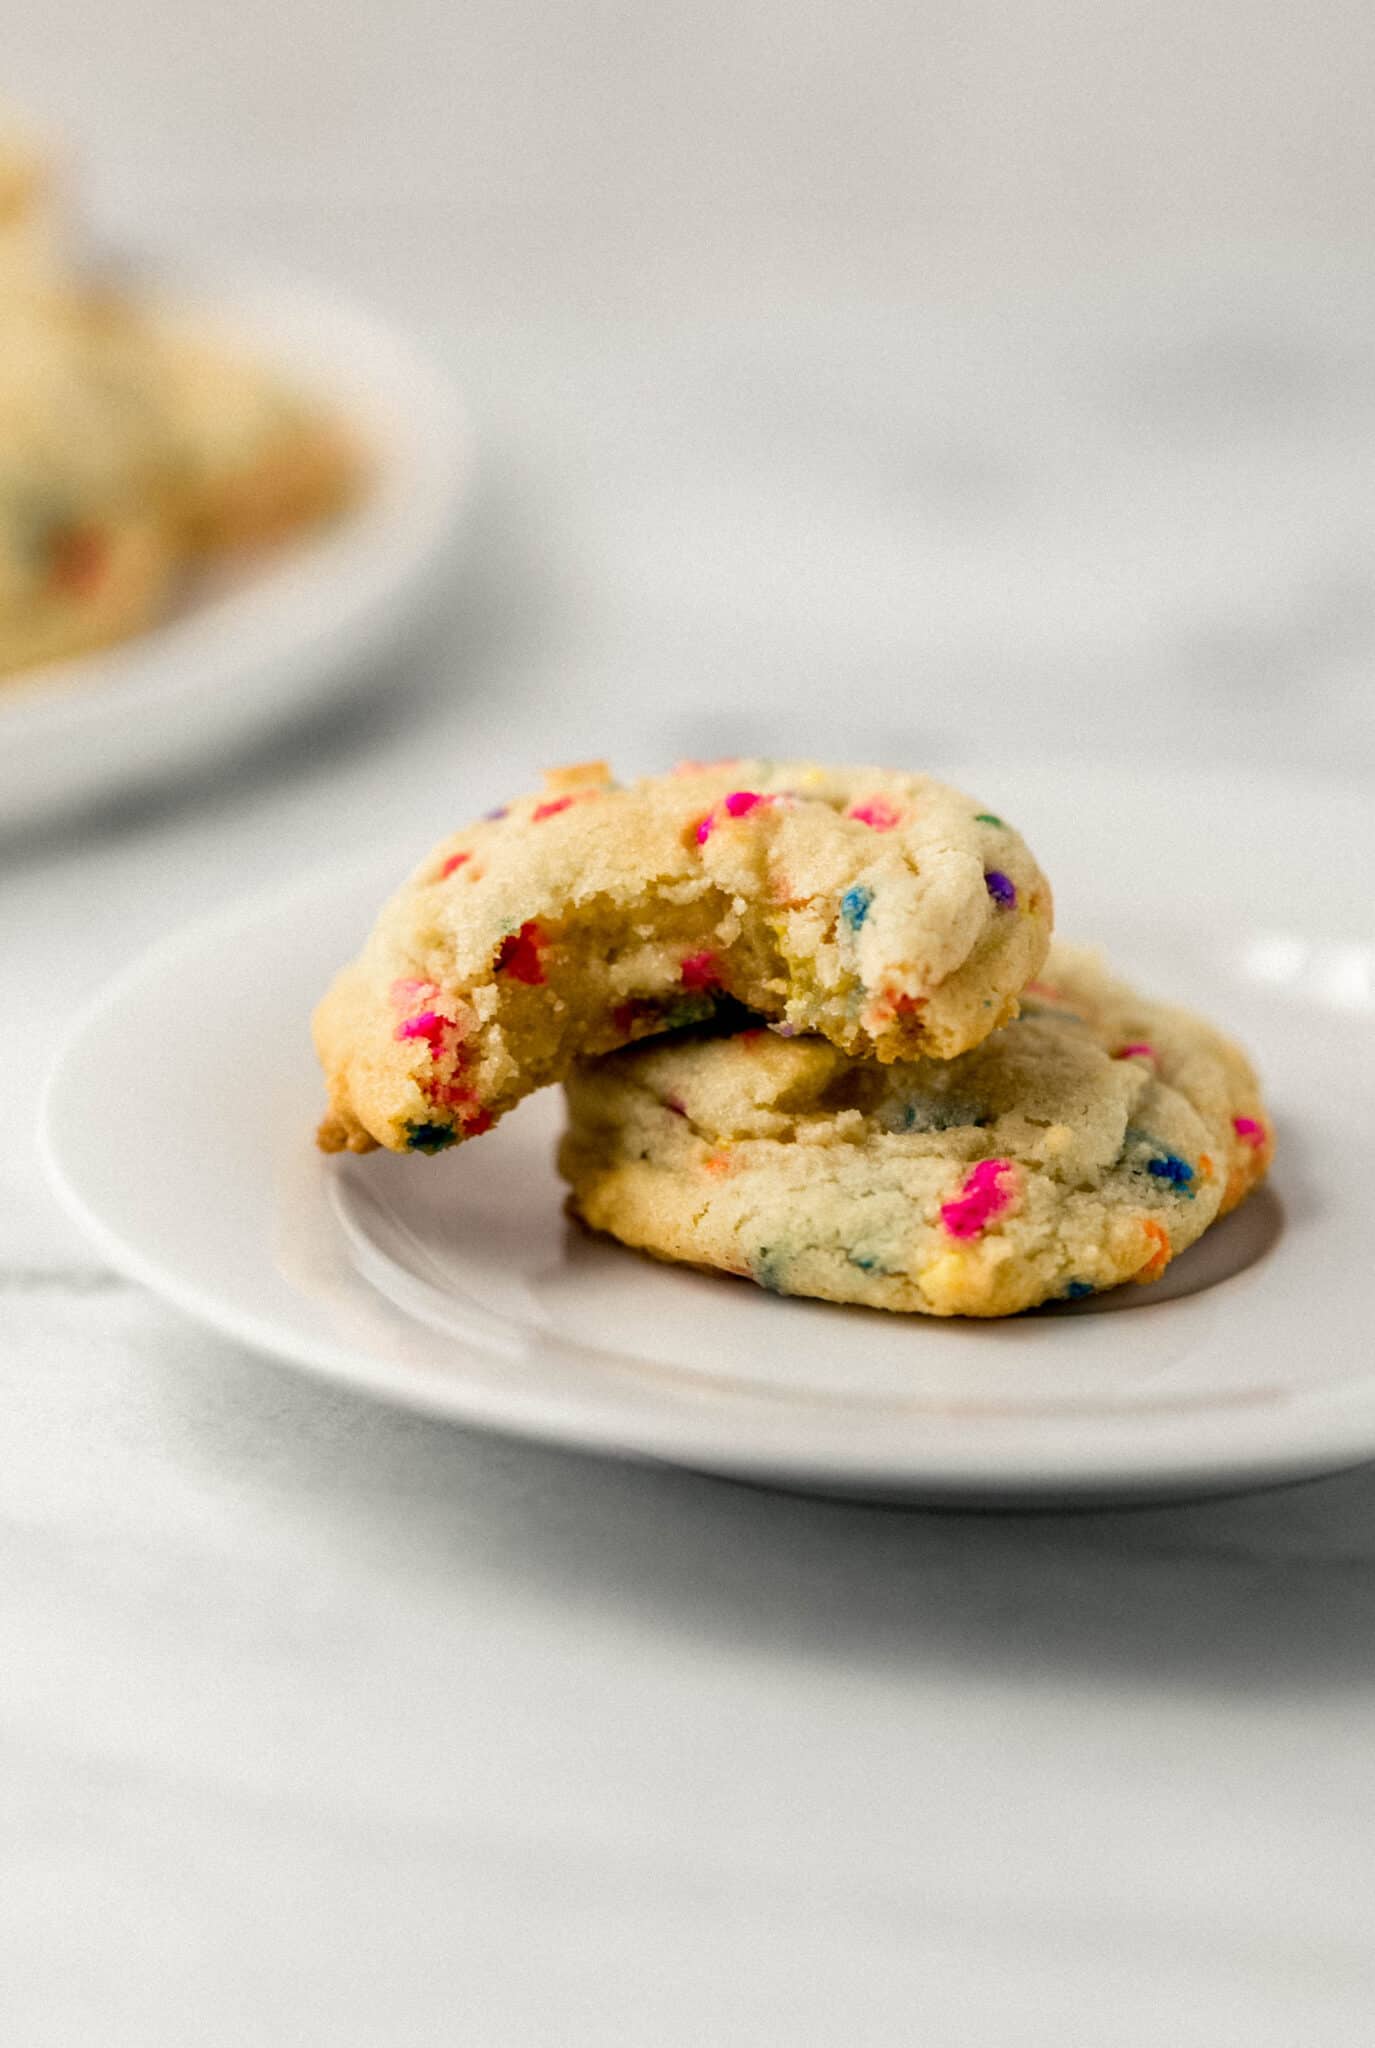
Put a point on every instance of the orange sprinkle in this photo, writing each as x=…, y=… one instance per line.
x=716, y=1162
x=1205, y=1166
x=1160, y=1257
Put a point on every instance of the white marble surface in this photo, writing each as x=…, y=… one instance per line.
x=320, y=1723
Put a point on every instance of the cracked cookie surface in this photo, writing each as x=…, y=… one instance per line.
x=889, y=913
x=1087, y=1143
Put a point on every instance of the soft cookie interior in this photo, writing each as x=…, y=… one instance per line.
x=888, y=913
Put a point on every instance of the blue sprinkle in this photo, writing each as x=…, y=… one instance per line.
x=1173, y=1169
x=864, y=1260
x=767, y=1266
x=1001, y=888
x=1076, y=1290
x=854, y=905
x=429, y=1137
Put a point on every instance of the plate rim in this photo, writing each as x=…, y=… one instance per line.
x=1129, y=1471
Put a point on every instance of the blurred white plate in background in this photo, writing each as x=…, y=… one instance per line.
x=180, y=1133
x=261, y=638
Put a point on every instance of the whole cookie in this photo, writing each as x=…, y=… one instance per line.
x=1087, y=1143
x=890, y=913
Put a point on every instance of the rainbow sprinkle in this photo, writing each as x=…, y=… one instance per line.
x=429, y=1137
x=550, y=809
x=700, y=970
x=767, y=1267
x=455, y=861
x=1250, y=1131
x=429, y=1025
x=1001, y=888
x=1140, y=1051
x=1159, y=1259
x=988, y=818
x=985, y=1194
x=854, y=905
x=1175, y=1170
x=519, y=955
x=878, y=815
x=738, y=804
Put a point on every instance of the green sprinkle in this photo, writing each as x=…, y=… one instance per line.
x=767, y=1266
x=688, y=1009
x=428, y=1137
x=986, y=818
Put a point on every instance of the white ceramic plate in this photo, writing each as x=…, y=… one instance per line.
x=179, y=1130
x=258, y=641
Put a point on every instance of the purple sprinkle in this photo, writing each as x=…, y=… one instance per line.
x=1000, y=888
x=492, y=816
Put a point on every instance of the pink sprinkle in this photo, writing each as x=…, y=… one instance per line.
x=678, y=1107
x=880, y=815
x=1135, y=1052
x=551, y=809
x=454, y=861
x=738, y=804
x=428, y=1024
x=1249, y=1131
x=700, y=970
x=405, y=994
x=982, y=1197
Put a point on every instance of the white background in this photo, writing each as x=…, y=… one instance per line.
x=879, y=376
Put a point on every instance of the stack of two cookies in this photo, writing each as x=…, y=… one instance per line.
x=812, y=1030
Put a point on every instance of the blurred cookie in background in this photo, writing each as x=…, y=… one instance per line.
x=245, y=457
x=134, y=442
x=86, y=546
x=29, y=213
